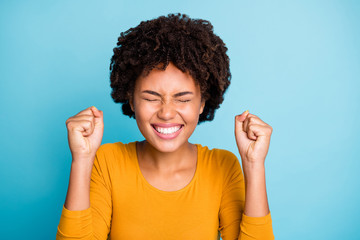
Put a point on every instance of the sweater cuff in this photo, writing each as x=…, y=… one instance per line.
x=257, y=220
x=75, y=214
x=256, y=227
x=76, y=224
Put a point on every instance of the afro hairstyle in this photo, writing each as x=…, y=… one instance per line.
x=190, y=44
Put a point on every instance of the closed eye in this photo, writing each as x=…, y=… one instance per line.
x=151, y=100
x=184, y=101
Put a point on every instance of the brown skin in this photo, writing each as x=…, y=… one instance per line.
x=85, y=132
x=253, y=140
x=168, y=165
x=163, y=97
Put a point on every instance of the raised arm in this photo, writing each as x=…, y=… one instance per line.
x=253, y=140
x=85, y=131
x=80, y=219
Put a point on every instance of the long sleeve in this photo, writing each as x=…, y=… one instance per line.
x=94, y=222
x=123, y=205
x=234, y=224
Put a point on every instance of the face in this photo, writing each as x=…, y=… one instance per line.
x=167, y=105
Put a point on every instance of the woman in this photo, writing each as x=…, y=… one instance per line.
x=170, y=74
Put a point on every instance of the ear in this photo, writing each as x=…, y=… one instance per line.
x=131, y=102
x=202, y=106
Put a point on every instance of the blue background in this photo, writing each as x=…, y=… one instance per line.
x=295, y=64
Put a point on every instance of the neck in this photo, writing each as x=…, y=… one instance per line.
x=165, y=162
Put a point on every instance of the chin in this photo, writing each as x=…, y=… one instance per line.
x=166, y=146
x=165, y=142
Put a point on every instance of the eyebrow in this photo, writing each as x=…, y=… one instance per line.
x=179, y=94
x=152, y=93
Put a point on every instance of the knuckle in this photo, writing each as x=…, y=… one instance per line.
x=88, y=124
x=269, y=130
x=90, y=118
x=69, y=119
x=70, y=125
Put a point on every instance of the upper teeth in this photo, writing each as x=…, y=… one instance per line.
x=169, y=130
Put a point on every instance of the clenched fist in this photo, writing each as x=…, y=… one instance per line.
x=252, y=138
x=85, y=132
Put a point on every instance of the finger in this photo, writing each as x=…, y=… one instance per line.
x=85, y=111
x=259, y=130
x=239, y=119
x=255, y=119
x=86, y=117
x=84, y=126
x=89, y=111
x=82, y=117
x=246, y=123
x=242, y=116
x=97, y=113
x=251, y=132
x=262, y=133
x=252, y=119
x=99, y=118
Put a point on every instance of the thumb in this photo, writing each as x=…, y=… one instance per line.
x=241, y=118
x=241, y=138
x=98, y=115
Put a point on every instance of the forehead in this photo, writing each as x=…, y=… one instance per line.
x=171, y=79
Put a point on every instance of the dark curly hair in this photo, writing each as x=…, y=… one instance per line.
x=190, y=44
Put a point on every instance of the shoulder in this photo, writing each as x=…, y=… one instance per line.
x=110, y=153
x=223, y=159
x=116, y=147
x=216, y=153
x=220, y=164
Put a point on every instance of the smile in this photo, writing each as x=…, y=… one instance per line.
x=167, y=132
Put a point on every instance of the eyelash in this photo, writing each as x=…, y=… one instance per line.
x=155, y=100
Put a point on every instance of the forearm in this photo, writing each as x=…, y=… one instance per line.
x=256, y=203
x=78, y=195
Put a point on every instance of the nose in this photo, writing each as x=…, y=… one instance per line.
x=167, y=111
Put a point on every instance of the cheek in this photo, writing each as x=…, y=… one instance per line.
x=144, y=110
x=190, y=112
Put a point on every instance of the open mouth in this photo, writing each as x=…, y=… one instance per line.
x=167, y=130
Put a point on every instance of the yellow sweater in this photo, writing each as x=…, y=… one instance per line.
x=125, y=206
